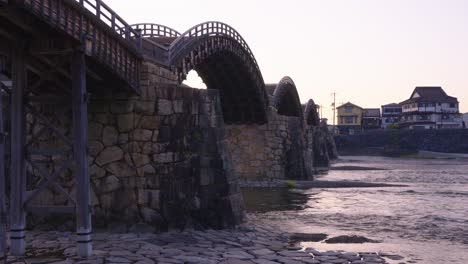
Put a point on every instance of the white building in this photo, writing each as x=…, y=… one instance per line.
x=391, y=114
x=430, y=108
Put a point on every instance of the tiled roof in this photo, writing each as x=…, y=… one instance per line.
x=431, y=95
x=371, y=112
x=349, y=104
x=391, y=105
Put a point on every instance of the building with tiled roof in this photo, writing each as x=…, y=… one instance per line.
x=371, y=118
x=429, y=108
x=349, y=118
x=390, y=115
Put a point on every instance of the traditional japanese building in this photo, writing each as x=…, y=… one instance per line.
x=391, y=114
x=430, y=108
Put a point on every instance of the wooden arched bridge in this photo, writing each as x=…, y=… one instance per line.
x=59, y=51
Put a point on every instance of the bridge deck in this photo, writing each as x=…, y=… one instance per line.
x=110, y=41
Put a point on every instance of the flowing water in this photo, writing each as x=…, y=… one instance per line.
x=425, y=222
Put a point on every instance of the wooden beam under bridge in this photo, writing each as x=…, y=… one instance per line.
x=80, y=153
x=3, y=211
x=75, y=151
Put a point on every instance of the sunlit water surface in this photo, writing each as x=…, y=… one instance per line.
x=426, y=222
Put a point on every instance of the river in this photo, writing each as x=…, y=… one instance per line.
x=424, y=222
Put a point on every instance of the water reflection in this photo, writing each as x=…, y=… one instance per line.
x=261, y=200
x=425, y=221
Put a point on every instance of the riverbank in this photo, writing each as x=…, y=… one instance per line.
x=436, y=140
x=316, y=183
x=423, y=221
x=248, y=244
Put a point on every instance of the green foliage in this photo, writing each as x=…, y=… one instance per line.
x=393, y=126
x=290, y=184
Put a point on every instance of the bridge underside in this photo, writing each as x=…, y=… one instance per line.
x=240, y=102
x=43, y=31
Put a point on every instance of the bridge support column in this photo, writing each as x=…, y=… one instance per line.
x=80, y=152
x=3, y=221
x=18, y=169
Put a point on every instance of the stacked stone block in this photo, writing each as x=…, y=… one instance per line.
x=159, y=158
x=270, y=151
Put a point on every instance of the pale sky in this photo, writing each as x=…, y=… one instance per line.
x=370, y=52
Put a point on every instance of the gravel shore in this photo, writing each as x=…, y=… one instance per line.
x=247, y=244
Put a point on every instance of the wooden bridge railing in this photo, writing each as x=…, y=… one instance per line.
x=151, y=49
x=114, y=42
x=150, y=30
x=211, y=28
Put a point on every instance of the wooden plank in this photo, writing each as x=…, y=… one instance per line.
x=3, y=222
x=18, y=169
x=72, y=19
x=49, y=179
x=80, y=151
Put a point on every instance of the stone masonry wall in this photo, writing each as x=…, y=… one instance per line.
x=159, y=158
x=271, y=151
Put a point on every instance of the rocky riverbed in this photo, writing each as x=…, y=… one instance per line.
x=248, y=244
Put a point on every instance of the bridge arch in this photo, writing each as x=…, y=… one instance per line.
x=286, y=99
x=311, y=114
x=151, y=30
x=225, y=62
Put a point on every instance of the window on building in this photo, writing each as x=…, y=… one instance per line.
x=452, y=105
x=349, y=119
x=348, y=109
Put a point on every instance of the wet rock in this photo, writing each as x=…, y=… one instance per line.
x=349, y=240
x=261, y=252
x=391, y=256
x=238, y=254
x=304, y=237
x=118, y=260
x=288, y=253
x=264, y=261
x=236, y=261
x=354, y=168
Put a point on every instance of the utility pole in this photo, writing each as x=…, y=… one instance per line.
x=321, y=111
x=334, y=107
